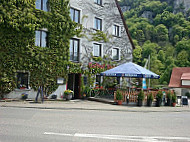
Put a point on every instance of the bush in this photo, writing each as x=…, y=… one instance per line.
x=141, y=95
x=150, y=97
x=187, y=94
x=119, y=96
x=174, y=98
x=169, y=95
x=159, y=95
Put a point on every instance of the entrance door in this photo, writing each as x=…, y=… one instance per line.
x=74, y=84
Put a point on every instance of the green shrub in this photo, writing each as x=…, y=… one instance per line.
x=169, y=95
x=141, y=95
x=174, y=98
x=159, y=95
x=119, y=96
x=150, y=97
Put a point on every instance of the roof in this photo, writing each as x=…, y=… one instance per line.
x=178, y=74
x=125, y=25
x=185, y=76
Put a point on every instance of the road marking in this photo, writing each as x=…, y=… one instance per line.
x=122, y=137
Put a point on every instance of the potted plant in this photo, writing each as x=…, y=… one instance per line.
x=140, y=98
x=149, y=99
x=24, y=96
x=119, y=97
x=169, y=98
x=174, y=99
x=68, y=94
x=159, y=96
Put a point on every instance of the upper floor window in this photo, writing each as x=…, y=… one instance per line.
x=97, y=50
x=22, y=80
x=41, y=39
x=116, y=30
x=98, y=24
x=99, y=2
x=42, y=5
x=75, y=15
x=74, y=50
x=115, y=54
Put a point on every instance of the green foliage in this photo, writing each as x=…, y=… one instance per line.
x=169, y=95
x=150, y=97
x=187, y=94
x=159, y=95
x=18, y=22
x=141, y=95
x=163, y=34
x=119, y=95
x=174, y=98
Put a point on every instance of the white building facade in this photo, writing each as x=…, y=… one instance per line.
x=98, y=16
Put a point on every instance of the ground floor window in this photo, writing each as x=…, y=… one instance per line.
x=22, y=80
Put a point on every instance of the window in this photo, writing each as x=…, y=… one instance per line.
x=115, y=54
x=99, y=2
x=75, y=15
x=74, y=50
x=97, y=50
x=116, y=30
x=41, y=39
x=22, y=80
x=42, y=5
x=98, y=24
x=98, y=80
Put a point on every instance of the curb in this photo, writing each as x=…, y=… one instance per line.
x=101, y=100
x=93, y=109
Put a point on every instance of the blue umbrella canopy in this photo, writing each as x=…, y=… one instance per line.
x=130, y=70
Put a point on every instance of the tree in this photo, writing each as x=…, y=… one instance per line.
x=161, y=33
x=137, y=53
x=182, y=59
x=149, y=49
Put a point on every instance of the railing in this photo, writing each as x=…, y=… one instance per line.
x=133, y=95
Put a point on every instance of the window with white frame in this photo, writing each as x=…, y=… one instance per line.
x=98, y=24
x=115, y=53
x=116, y=30
x=42, y=5
x=99, y=2
x=97, y=50
x=41, y=38
x=74, y=50
x=22, y=80
x=75, y=15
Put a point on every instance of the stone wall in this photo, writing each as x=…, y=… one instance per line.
x=110, y=15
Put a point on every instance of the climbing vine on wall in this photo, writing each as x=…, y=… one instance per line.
x=18, y=22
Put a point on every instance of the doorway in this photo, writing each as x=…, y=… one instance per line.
x=74, y=83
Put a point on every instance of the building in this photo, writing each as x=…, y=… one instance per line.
x=98, y=16
x=105, y=34
x=180, y=80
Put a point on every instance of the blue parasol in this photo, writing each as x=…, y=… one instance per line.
x=130, y=70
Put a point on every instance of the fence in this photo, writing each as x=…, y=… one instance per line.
x=133, y=95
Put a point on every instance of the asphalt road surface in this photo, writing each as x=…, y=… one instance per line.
x=42, y=125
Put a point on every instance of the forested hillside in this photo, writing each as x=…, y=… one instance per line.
x=161, y=29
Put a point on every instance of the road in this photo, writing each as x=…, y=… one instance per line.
x=43, y=125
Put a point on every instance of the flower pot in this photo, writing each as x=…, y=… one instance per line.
x=24, y=96
x=158, y=102
x=68, y=96
x=149, y=103
x=119, y=102
x=168, y=102
x=173, y=104
x=140, y=102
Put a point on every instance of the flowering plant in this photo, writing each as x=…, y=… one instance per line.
x=67, y=92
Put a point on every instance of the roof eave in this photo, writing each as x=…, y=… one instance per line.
x=125, y=25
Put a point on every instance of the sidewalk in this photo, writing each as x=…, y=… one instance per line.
x=89, y=105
